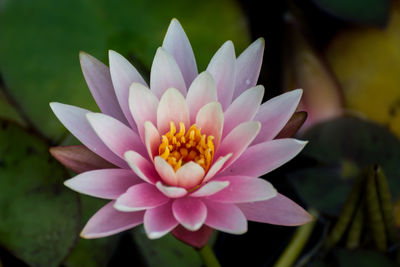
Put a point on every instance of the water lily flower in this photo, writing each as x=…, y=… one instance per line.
x=183, y=155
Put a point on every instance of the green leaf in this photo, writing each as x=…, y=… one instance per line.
x=342, y=147
x=39, y=217
x=365, y=258
x=40, y=41
x=359, y=11
x=167, y=249
x=91, y=252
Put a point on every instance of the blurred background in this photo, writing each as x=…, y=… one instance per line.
x=344, y=54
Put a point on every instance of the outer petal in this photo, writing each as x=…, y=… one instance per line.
x=248, y=66
x=197, y=239
x=293, y=125
x=165, y=73
x=243, y=108
x=279, y=210
x=190, y=212
x=159, y=221
x=98, y=78
x=123, y=74
x=210, y=119
x=222, y=68
x=172, y=107
x=152, y=139
x=190, y=175
x=139, y=197
x=238, y=140
x=79, y=158
x=142, y=167
x=225, y=217
x=74, y=119
x=177, y=45
x=143, y=105
x=165, y=171
x=106, y=183
x=275, y=113
x=108, y=221
x=210, y=188
x=244, y=189
x=265, y=157
x=201, y=92
x=171, y=191
x=116, y=135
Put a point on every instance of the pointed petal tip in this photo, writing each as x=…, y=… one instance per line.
x=156, y=235
x=84, y=234
x=124, y=208
x=298, y=91
x=175, y=22
x=82, y=54
x=192, y=227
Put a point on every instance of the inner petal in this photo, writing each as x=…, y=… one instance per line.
x=180, y=147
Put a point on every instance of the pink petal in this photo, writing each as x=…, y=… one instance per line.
x=98, y=79
x=108, y=221
x=265, y=157
x=178, y=46
x=106, y=183
x=165, y=171
x=171, y=191
x=225, y=217
x=165, y=73
x=172, y=107
x=238, y=140
x=159, y=221
x=197, y=239
x=279, y=210
x=123, y=74
x=190, y=175
x=275, y=113
x=244, y=189
x=201, y=92
x=79, y=158
x=142, y=167
x=222, y=68
x=116, y=135
x=152, y=139
x=210, y=119
x=139, y=197
x=210, y=188
x=74, y=119
x=236, y=113
x=189, y=212
x=216, y=167
x=143, y=105
x=248, y=66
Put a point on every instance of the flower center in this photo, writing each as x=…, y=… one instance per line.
x=177, y=148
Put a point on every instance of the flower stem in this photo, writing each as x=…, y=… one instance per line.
x=208, y=257
x=296, y=245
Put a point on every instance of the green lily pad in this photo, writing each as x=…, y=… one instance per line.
x=39, y=217
x=342, y=147
x=359, y=11
x=91, y=252
x=40, y=41
x=167, y=249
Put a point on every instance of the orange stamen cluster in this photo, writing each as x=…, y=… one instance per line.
x=177, y=148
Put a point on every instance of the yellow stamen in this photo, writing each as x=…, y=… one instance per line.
x=177, y=148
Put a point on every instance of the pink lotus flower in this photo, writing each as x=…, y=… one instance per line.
x=187, y=153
